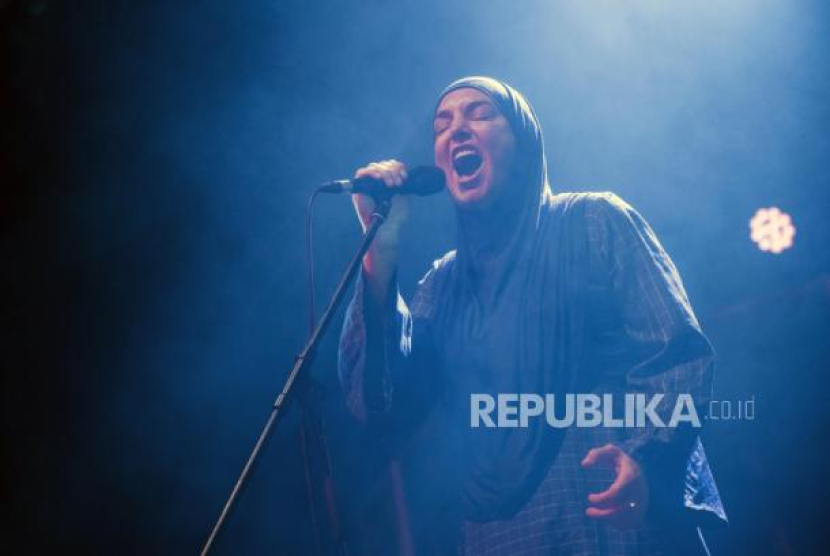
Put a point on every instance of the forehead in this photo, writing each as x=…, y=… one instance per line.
x=460, y=98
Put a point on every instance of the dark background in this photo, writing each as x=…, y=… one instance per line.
x=156, y=161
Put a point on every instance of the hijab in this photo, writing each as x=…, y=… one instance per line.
x=509, y=317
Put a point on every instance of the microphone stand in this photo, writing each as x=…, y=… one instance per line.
x=301, y=361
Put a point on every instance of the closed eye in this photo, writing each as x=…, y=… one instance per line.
x=481, y=110
x=484, y=111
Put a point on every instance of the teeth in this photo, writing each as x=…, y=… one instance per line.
x=464, y=152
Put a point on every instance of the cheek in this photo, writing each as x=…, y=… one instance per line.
x=501, y=149
x=440, y=153
x=506, y=156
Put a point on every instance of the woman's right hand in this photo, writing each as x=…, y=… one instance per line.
x=392, y=173
x=381, y=260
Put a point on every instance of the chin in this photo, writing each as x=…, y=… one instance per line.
x=472, y=199
x=476, y=193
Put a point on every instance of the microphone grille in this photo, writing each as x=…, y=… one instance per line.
x=426, y=180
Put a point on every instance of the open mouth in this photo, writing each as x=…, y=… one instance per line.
x=466, y=161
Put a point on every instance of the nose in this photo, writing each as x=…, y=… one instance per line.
x=460, y=130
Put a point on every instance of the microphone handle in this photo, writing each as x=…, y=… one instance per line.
x=422, y=180
x=367, y=186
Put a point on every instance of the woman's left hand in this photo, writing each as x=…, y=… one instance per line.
x=625, y=502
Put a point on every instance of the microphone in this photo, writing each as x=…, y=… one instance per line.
x=422, y=180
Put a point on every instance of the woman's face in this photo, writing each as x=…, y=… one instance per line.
x=474, y=146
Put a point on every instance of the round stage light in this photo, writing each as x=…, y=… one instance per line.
x=772, y=230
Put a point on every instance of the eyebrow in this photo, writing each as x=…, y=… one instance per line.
x=467, y=108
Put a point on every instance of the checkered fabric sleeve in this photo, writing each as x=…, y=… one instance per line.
x=385, y=355
x=672, y=357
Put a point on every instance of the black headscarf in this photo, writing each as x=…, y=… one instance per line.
x=488, y=241
x=509, y=318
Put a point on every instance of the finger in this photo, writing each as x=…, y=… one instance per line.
x=391, y=178
x=618, y=518
x=370, y=171
x=392, y=172
x=614, y=493
x=399, y=169
x=621, y=517
x=606, y=454
x=381, y=171
x=603, y=513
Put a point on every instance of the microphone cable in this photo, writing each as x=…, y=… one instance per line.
x=309, y=256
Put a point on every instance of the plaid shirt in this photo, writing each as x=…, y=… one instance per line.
x=656, y=334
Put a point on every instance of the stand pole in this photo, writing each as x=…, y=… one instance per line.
x=302, y=361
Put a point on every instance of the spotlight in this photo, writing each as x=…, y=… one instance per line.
x=772, y=230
